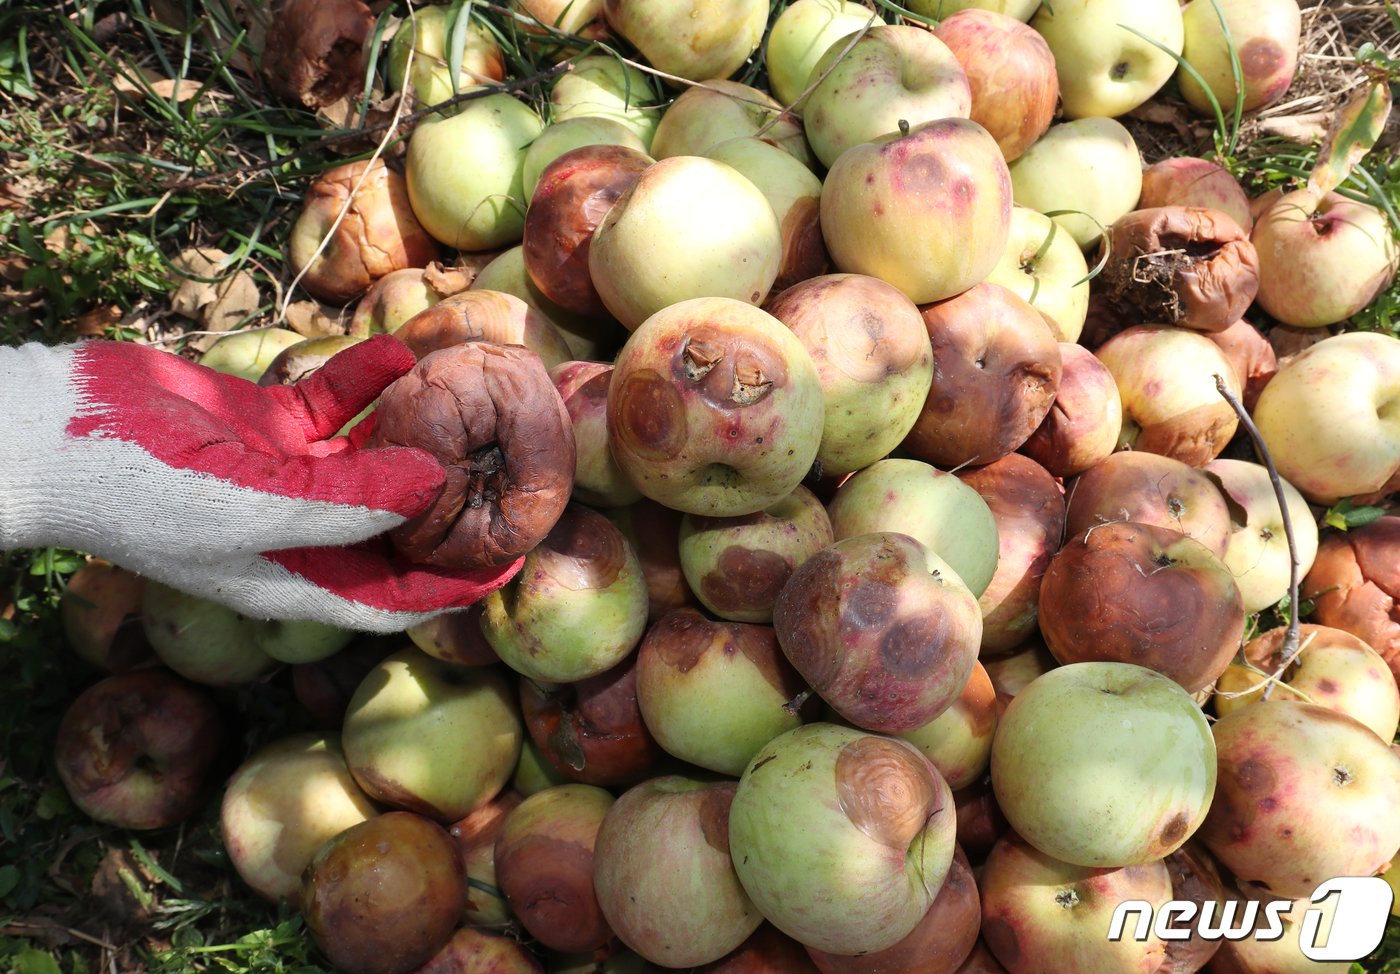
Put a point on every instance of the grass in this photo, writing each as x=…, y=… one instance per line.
x=102, y=186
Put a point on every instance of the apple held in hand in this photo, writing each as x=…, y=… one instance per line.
x=929, y=212
x=841, y=838
x=1104, y=764
x=714, y=408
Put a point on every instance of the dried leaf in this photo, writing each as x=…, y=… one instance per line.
x=207, y=293
x=238, y=300
x=1357, y=126
x=314, y=320
x=1305, y=129
x=94, y=324
x=155, y=84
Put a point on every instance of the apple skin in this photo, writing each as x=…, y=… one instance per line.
x=841, y=838
x=1333, y=669
x=663, y=876
x=201, y=640
x=602, y=86
x=138, y=750
x=1085, y=420
x=1329, y=420
x=1190, y=181
x=1195, y=876
x=892, y=74
x=715, y=408
x=1166, y=380
x=383, y=896
x=1265, y=34
x=1012, y=673
x=100, y=610
x=1091, y=165
x=558, y=138
x=939, y=9
x=936, y=508
x=1293, y=778
x=247, y=354
x=1103, y=764
x=483, y=315
x=1322, y=261
x=477, y=207
x=475, y=836
x=798, y=38
x=1257, y=549
x=693, y=39
x=430, y=736
x=1354, y=584
x=1039, y=914
x=714, y=692
x=705, y=115
x=929, y=212
x=653, y=531
x=1139, y=593
x=1043, y=265
x=425, y=34
x=882, y=629
x=1252, y=356
x=980, y=821
x=282, y=804
x=767, y=951
x=1105, y=69
x=471, y=949
x=959, y=741
x=872, y=354
x=732, y=246
x=1012, y=74
x=1029, y=507
x=584, y=388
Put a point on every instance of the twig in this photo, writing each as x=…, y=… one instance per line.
x=812, y=83
x=1291, y=646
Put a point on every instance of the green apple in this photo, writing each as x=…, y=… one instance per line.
x=201, y=640
x=587, y=338
x=573, y=133
x=601, y=86
x=799, y=37
x=1043, y=265
x=247, y=354
x=1265, y=35
x=298, y=640
x=425, y=34
x=1089, y=167
x=694, y=39
x=719, y=110
x=1107, y=52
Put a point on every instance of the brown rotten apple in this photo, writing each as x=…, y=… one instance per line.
x=1139, y=593
x=714, y=408
x=882, y=629
x=1356, y=585
x=1085, y=419
x=314, y=53
x=483, y=316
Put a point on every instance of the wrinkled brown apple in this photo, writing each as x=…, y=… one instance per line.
x=1355, y=582
x=1085, y=419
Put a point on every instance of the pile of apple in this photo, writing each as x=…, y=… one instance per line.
x=902, y=617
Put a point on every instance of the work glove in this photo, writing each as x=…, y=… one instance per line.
x=222, y=488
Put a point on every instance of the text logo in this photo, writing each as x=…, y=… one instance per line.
x=1352, y=931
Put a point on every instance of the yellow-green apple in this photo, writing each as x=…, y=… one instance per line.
x=1042, y=264
x=795, y=195
x=938, y=944
x=475, y=836
x=939, y=9
x=398, y=296
x=201, y=640
x=431, y=736
x=872, y=354
x=558, y=138
x=1295, y=778
x=424, y=33
x=472, y=948
x=1257, y=550
x=597, y=480
x=936, y=508
x=578, y=606
x=1029, y=507
x=1089, y=167
x=100, y=611
x=1039, y=913
x=1109, y=53
x=545, y=862
x=360, y=928
x=1085, y=420
x=1333, y=669
x=591, y=731
x=1138, y=593
x=719, y=110
x=1330, y=419
x=481, y=206
x=1166, y=379
x=587, y=338
x=247, y=354
x=929, y=212
x=882, y=629
x=481, y=315
x=139, y=750
x=997, y=369
x=841, y=838
x=798, y=38
x=1322, y=260
x=282, y=804
x=534, y=772
x=715, y=407
x=1104, y=764
x=1012, y=74
x=737, y=566
x=959, y=740
x=1353, y=582
x=662, y=873
x=573, y=196
x=714, y=692
x=1190, y=181
x=1150, y=489
x=602, y=86
x=894, y=77
x=695, y=39
x=564, y=16
x=689, y=227
x=1264, y=35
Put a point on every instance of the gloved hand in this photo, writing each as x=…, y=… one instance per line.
x=222, y=488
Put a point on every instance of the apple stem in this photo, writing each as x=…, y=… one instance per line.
x=797, y=702
x=1291, y=645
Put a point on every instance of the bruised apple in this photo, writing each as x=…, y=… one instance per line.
x=1084, y=421
x=959, y=740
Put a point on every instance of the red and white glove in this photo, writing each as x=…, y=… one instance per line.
x=222, y=488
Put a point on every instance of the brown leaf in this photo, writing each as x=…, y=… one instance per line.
x=94, y=324
x=156, y=85
x=207, y=293
x=314, y=320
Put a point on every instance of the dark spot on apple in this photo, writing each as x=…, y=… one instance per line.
x=714, y=814
x=1261, y=57
x=758, y=764
x=680, y=638
x=1325, y=685
x=584, y=550
x=911, y=647
x=1174, y=831
x=871, y=604
x=887, y=789
x=1119, y=71
x=1268, y=804
x=745, y=580
x=650, y=417
x=1255, y=777
x=920, y=174
x=1001, y=940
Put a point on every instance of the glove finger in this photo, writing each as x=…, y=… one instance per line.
x=335, y=393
